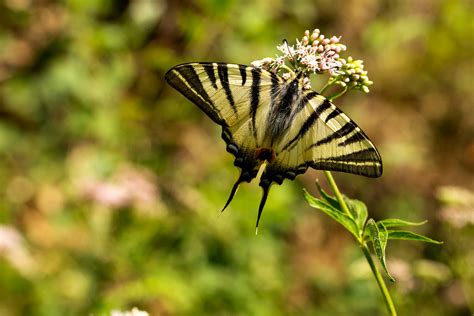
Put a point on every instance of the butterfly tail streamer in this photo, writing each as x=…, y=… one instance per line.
x=266, y=188
x=232, y=192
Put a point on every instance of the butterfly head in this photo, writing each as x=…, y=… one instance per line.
x=300, y=79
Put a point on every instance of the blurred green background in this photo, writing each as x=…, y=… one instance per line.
x=111, y=181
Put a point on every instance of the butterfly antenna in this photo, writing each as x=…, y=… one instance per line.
x=292, y=60
x=266, y=188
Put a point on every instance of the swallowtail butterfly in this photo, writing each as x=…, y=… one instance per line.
x=276, y=123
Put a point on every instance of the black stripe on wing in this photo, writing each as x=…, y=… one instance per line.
x=224, y=78
x=255, y=98
x=366, y=171
x=243, y=73
x=343, y=131
x=357, y=137
x=303, y=102
x=365, y=155
x=185, y=79
x=366, y=162
x=333, y=114
x=310, y=121
x=209, y=68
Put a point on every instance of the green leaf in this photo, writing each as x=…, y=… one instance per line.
x=358, y=211
x=336, y=214
x=379, y=237
x=406, y=235
x=328, y=198
x=393, y=222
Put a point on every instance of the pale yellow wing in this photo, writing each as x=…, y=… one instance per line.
x=325, y=138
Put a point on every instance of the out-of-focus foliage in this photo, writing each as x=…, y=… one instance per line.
x=112, y=182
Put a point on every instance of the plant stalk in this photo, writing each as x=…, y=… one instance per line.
x=380, y=281
x=338, y=194
x=338, y=94
x=378, y=277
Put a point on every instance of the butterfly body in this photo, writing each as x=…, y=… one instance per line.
x=276, y=122
x=286, y=103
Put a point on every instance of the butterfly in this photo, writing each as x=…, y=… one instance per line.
x=276, y=128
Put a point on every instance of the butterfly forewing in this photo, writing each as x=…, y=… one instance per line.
x=328, y=139
x=236, y=97
x=231, y=91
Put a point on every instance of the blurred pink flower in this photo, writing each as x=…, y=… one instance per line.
x=134, y=312
x=458, y=209
x=128, y=187
x=458, y=217
x=12, y=248
x=108, y=194
x=402, y=272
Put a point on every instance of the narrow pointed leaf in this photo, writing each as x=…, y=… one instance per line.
x=379, y=237
x=337, y=215
x=406, y=235
x=359, y=212
x=328, y=198
x=394, y=222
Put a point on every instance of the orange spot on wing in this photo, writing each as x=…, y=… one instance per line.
x=265, y=154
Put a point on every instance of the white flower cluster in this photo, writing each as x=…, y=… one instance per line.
x=315, y=53
x=352, y=75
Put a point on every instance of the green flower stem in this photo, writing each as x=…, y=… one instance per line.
x=327, y=85
x=338, y=94
x=378, y=277
x=380, y=281
x=286, y=68
x=338, y=194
